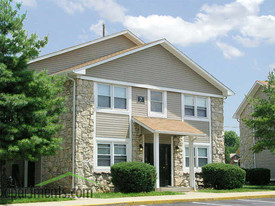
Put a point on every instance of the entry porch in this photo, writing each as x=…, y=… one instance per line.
x=160, y=142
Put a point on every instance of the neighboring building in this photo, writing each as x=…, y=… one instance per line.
x=248, y=159
x=134, y=101
x=235, y=159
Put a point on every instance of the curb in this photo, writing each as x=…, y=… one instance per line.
x=151, y=202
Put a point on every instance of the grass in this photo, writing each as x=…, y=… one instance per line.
x=119, y=194
x=29, y=200
x=245, y=188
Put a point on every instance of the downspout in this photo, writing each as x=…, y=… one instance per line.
x=73, y=142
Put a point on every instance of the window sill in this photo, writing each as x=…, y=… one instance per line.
x=156, y=114
x=204, y=119
x=197, y=169
x=102, y=169
x=113, y=111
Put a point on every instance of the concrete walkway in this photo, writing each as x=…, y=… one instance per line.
x=188, y=197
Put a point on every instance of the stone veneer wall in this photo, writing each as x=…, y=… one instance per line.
x=217, y=120
x=137, y=139
x=61, y=163
x=246, y=141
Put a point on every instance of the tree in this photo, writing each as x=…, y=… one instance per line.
x=30, y=102
x=232, y=143
x=262, y=120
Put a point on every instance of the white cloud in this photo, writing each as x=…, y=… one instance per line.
x=247, y=42
x=97, y=28
x=30, y=3
x=211, y=22
x=229, y=51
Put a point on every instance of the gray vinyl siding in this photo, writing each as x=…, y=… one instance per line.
x=202, y=126
x=139, y=109
x=155, y=66
x=112, y=125
x=266, y=159
x=173, y=105
x=82, y=55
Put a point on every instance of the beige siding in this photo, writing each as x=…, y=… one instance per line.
x=202, y=126
x=112, y=125
x=266, y=159
x=84, y=54
x=260, y=94
x=154, y=66
x=174, y=105
x=163, y=138
x=139, y=109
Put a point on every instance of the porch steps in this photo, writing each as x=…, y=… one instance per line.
x=174, y=189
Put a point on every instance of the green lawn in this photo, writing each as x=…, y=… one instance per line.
x=28, y=200
x=119, y=194
x=245, y=188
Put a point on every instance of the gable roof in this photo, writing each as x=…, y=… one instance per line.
x=81, y=69
x=126, y=33
x=251, y=93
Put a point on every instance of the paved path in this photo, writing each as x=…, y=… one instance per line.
x=188, y=197
x=238, y=202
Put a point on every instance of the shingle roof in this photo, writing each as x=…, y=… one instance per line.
x=168, y=126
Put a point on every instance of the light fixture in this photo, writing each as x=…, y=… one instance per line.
x=140, y=147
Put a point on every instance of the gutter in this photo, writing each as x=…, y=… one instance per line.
x=73, y=141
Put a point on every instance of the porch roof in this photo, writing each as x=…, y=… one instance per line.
x=167, y=126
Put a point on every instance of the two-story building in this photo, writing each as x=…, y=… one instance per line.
x=134, y=101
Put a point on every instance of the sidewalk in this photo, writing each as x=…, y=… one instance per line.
x=188, y=197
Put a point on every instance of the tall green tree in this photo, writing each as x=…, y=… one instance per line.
x=232, y=143
x=263, y=117
x=30, y=102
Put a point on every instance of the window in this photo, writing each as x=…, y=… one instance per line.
x=110, y=153
x=189, y=106
x=201, y=107
x=111, y=97
x=195, y=106
x=104, y=155
x=120, y=98
x=156, y=101
x=104, y=96
x=200, y=156
x=157, y=104
x=120, y=153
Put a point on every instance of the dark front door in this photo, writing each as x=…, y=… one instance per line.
x=165, y=164
x=164, y=161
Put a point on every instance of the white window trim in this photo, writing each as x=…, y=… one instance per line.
x=164, y=105
x=196, y=146
x=112, y=109
x=112, y=142
x=195, y=117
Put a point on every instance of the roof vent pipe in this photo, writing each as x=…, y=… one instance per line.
x=103, y=30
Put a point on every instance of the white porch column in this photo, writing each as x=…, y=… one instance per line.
x=26, y=173
x=156, y=156
x=191, y=163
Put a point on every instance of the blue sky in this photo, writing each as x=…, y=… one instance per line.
x=232, y=39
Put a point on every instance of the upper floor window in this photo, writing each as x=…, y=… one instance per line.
x=195, y=106
x=112, y=97
x=157, y=106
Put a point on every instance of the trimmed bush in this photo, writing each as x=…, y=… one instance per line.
x=133, y=177
x=258, y=176
x=223, y=176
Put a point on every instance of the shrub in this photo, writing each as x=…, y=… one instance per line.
x=133, y=177
x=223, y=176
x=258, y=176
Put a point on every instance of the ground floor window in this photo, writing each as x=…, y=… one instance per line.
x=109, y=153
x=201, y=156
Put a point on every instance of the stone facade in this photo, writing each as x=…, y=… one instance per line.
x=61, y=163
x=217, y=131
x=246, y=141
x=137, y=139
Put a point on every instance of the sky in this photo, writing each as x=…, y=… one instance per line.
x=234, y=40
